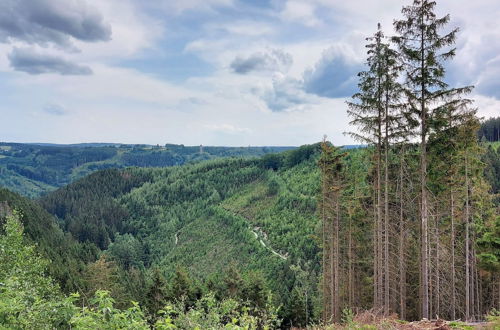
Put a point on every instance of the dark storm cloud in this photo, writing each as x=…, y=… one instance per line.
x=31, y=62
x=47, y=21
x=333, y=76
x=274, y=60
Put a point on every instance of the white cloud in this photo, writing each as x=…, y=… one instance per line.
x=55, y=109
x=273, y=60
x=245, y=28
x=46, y=23
x=227, y=128
x=133, y=32
x=302, y=12
x=30, y=61
x=487, y=106
x=273, y=103
x=284, y=94
x=178, y=7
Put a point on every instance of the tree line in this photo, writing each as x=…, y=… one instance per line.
x=490, y=130
x=430, y=212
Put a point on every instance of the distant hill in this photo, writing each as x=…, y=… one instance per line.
x=33, y=169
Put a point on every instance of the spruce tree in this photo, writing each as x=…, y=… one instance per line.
x=156, y=296
x=375, y=110
x=424, y=50
x=366, y=111
x=331, y=165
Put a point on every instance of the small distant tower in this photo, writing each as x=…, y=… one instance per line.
x=201, y=148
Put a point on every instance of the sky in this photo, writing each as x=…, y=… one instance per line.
x=211, y=72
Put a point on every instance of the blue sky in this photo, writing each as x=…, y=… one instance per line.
x=212, y=72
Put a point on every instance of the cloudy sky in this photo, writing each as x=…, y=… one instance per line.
x=212, y=72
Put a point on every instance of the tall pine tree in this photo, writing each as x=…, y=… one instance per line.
x=424, y=51
x=375, y=112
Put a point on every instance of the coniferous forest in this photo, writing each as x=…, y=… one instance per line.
x=399, y=232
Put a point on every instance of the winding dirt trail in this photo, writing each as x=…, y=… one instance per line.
x=258, y=237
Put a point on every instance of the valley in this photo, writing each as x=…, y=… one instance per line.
x=341, y=165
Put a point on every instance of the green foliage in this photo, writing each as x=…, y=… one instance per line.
x=168, y=236
x=273, y=187
x=494, y=318
x=33, y=170
x=67, y=257
x=104, y=274
x=489, y=245
x=201, y=217
x=302, y=154
x=272, y=161
x=103, y=315
x=28, y=298
x=460, y=325
x=127, y=251
x=210, y=313
x=87, y=208
x=182, y=288
x=156, y=294
x=347, y=317
x=491, y=158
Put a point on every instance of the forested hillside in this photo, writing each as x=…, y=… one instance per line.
x=400, y=232
x=68, y=258
x=240, y=229
x=34, y=169
x=257, y=217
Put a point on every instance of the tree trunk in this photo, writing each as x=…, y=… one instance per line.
x=326, y=208
x=424, y=266
x=336, y=300
x=380, y=262
x=386, y=209
x=350, y=264
x=467, y=247
x=324, y=236
x=333, y=265
x=476, y=273
x=375, y=256
x=402, y=270
x=453, y=280
x=437, y=292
